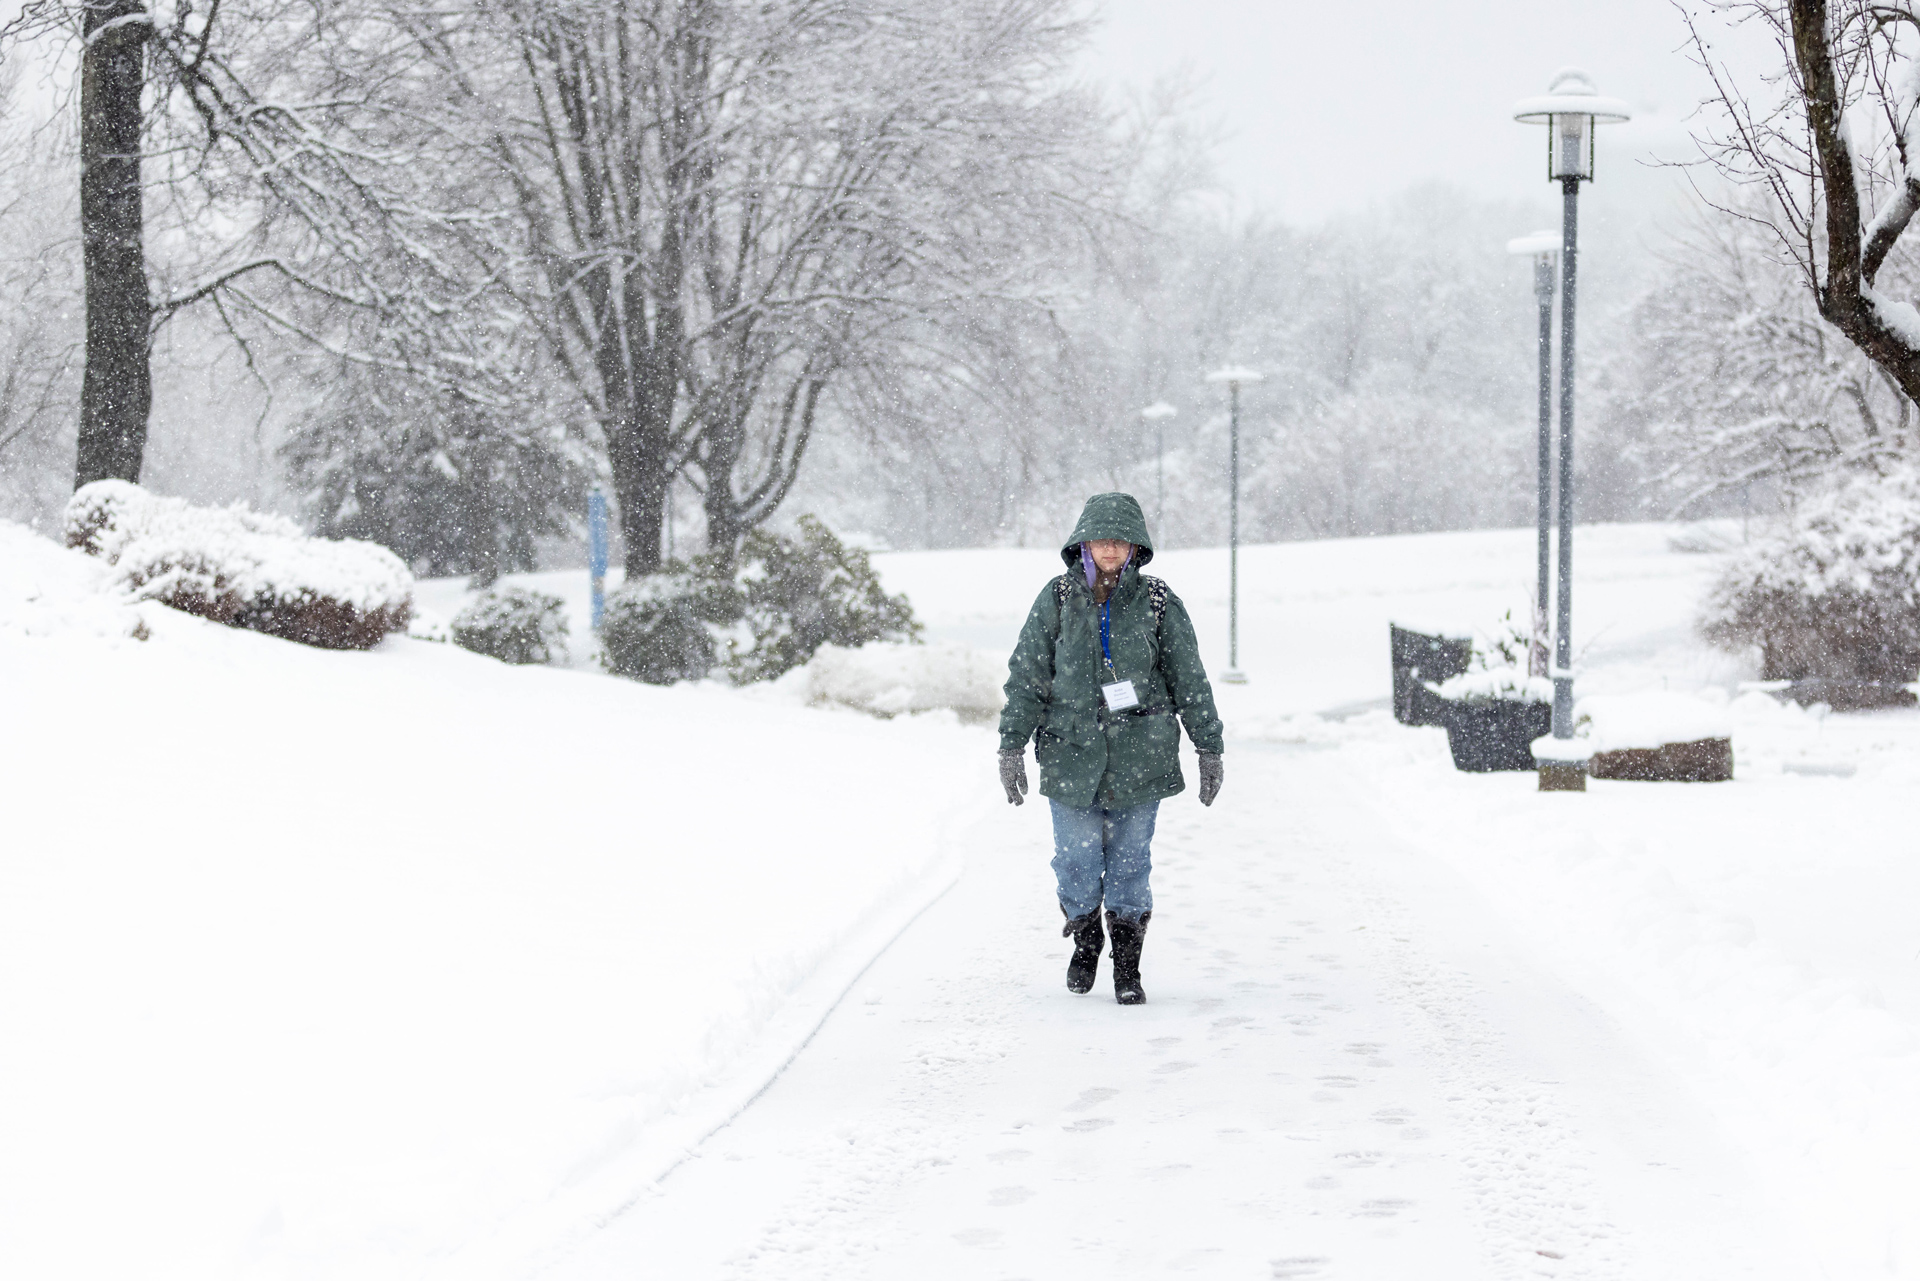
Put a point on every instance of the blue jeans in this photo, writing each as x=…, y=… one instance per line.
x=1098, y=848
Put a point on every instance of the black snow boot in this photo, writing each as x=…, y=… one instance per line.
x=1088, y=939
x=1128, y=938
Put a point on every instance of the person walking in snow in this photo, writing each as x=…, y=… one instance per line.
x=1105, y=661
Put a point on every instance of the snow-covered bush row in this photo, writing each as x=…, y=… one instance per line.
x=514, y=625
x=888, y=679
x=1836, y=594
x=760, y=616
x=240, y=567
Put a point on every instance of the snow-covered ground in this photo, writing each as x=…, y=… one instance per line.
x=409, y=964
x=403, y=963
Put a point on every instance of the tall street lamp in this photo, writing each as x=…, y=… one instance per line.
x=1233, y=376
x=1157, y=413
x=1571, y=108
x=1542, y=246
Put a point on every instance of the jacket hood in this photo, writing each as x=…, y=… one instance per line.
x=1110, y=516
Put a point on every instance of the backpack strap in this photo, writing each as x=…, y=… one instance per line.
x=1156, y=592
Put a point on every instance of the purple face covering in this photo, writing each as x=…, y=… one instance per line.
x=1093, y=571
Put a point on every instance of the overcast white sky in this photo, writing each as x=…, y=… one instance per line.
x=1331, y=104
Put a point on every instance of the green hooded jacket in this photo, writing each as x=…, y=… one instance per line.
x=1089, y=755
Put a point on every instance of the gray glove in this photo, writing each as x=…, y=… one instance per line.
x=1013, y=775
x=1211, y=773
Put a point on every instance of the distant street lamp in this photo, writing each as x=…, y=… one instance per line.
x=1571, y=108
x=1233, y=376
x=1157, y=413
x=1542, y=246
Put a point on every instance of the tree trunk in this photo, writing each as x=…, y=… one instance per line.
x=1843, y=299
x=116, y=391
x=640, y=484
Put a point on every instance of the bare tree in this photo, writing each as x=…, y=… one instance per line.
x=1832, y=144
x=1736, y=380
x=41, y=323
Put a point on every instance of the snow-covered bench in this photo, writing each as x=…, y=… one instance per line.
x=241, y=567
x=1659, y=738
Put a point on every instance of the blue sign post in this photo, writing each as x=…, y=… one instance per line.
x=597, y=552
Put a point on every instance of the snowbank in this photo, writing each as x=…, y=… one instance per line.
x=888, y=679
x=244, y=568
x=403, y=963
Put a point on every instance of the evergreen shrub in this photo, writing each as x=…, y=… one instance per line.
x=759, y=615
x=1835, y=595
x=661, y=629
x=513, y=625
x=797, y=594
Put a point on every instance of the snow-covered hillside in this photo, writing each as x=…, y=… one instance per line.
x=409, y=964
x=403, y=963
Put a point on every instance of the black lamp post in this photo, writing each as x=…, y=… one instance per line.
x=1570, y=109
x=1233, y=376
x=1542, y=247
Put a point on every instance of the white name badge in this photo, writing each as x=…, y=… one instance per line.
x=1119, y=696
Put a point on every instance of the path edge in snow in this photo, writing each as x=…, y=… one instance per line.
x=677, y=1138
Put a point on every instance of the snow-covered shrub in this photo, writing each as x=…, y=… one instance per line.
x=513, y=625
x=240, y=567
x=1497, y=669
x=886, y=678
x=429, y=626
x=1496, y=684
x=661, y=629
x=762, y=616
x=1836, y=594
x=797, y=594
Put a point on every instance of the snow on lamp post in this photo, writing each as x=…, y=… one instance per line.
x=1571, y=109
x=1542, y=246
x=1233, y=376
x=1157, y=413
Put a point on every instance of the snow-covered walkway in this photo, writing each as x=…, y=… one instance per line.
x=1347, y=1069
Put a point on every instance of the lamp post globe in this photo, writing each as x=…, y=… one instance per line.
x=1571, y=109
x=1233, y=376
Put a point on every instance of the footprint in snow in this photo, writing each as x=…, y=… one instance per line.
x=1305, y=1266
x=1008, y=1196
x=1089, y=1098
x=1392, y=1116
x=1164, y=1041
x=1005, y=1155
x=1232, y=1020
x=1385, y=1208
x=978, y=1236
x=1175, y=1066
x=1358, y=1160
x=1088, y=1124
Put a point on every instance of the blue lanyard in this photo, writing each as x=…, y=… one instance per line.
x=1106, y=631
